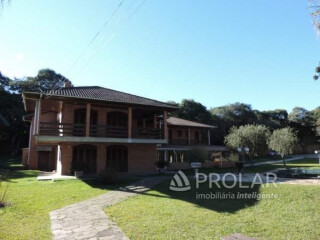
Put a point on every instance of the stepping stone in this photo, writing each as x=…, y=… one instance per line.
x=237, y=236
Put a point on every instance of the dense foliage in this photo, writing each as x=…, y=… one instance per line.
x=13, y=130
x=306, y=123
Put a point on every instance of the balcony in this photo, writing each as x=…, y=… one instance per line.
x=62, y=129
x=98, y=131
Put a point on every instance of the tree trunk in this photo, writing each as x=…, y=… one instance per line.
x=284, y=161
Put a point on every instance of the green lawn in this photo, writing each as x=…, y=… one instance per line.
x=163, y=214
x=302, y=163
x=27, y=216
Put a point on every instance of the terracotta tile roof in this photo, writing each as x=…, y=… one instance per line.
x=108, y=95
x=173, y=121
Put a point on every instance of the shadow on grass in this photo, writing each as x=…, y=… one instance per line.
x=11, y=162
x=216, y=199
x=220, y=199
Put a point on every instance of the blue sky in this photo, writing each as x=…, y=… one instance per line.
x=217, y=52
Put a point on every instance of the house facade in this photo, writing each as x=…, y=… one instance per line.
x=91, y=129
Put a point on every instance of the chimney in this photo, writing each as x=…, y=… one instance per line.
x=67, y=84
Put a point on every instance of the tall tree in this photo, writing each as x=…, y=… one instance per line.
x=300, y=115
x=236, y=114
x=14, y=134
x=193, y=111
x=274, y=119
x=45, y=80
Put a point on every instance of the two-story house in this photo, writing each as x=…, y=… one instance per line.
x=91, y=129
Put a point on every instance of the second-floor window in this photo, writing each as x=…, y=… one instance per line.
x=118, y=119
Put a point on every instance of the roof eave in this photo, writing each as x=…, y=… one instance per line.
x=171, y=108
x=207, y=127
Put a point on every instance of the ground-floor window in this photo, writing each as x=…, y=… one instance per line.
x=84, y=158
x=117, y=158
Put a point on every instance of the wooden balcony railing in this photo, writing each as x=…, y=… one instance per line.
x=70, y=129
x=147, y=133
x=108, y=131
x=199, y=142
x=186, y=142
x=178, y=141
x=62, y=129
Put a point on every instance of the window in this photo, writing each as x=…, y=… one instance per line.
x=179, y=133
x=84, y=158
x=187, y=133
x=117, y=158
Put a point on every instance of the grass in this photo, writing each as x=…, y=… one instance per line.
x=163, y=214
x=30, y=201
x=310, y=163
x=269, y=158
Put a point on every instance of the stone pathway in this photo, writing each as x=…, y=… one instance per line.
x=87, y=220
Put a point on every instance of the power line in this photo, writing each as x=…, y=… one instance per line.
x=90, y=43
x=101, y=29
x=114, y=33
x=98, y=33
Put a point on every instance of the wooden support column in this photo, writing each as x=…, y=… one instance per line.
x=209, y=137
x=34, y=123
x=38, y=117
x=88, y=119
x=154, y=120
x=130, y=122
x=165, y=126
x=189, y=136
